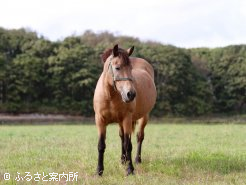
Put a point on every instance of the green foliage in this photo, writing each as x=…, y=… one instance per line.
x=74, y=72
x=181, y=90
x=37, y=75
x=227, y=75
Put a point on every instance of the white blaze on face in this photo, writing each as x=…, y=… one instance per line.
x=127, y=92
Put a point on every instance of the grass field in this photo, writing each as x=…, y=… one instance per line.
x=172, y=154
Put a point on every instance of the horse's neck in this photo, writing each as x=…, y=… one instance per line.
x=109, y=90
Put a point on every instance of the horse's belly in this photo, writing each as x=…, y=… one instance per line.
x=146, y=95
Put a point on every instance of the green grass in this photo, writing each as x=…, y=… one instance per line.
x=172, y=154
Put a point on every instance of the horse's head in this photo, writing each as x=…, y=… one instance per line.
x=119, y=72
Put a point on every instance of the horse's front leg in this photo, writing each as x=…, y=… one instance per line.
x=123, y=152
x=127, y=126
x=101, y=128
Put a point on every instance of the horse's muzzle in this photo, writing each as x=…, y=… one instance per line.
x=131, y=95
x=128, y=96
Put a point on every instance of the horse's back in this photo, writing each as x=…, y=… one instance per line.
x=141, y=64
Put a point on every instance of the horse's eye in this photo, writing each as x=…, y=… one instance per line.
x=117, y=68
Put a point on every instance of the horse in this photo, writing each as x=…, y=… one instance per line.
x=125, y=94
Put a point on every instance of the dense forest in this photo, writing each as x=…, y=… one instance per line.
x=37, y=75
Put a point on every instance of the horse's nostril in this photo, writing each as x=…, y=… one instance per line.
x=131, y=95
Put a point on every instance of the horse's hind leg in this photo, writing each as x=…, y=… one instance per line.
x=140, y=137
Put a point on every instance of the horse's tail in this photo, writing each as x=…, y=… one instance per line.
x=133, y=126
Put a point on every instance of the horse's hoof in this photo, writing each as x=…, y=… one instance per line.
x=138, y=160
x=130, y=170
x=99, y=171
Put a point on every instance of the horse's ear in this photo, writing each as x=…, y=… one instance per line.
x=115, y=50
x=130, y=51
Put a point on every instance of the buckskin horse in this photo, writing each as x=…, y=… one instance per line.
x=125, y=93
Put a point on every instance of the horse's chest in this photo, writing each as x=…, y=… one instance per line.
x=116, y=108
x=115, y=112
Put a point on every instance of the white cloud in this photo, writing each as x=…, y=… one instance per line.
x=185, y=23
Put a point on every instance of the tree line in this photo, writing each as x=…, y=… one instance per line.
x=37, y=75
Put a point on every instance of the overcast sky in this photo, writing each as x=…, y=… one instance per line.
x=183, y=23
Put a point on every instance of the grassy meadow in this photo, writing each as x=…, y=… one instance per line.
x=172, y=154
